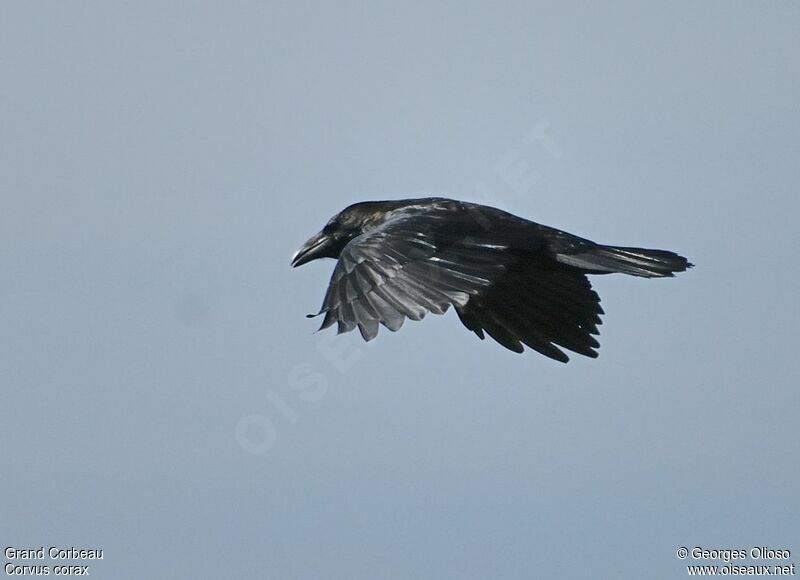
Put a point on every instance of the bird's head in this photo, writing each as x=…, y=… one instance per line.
x=340, y=229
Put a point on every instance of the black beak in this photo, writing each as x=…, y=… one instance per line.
x=316, y=247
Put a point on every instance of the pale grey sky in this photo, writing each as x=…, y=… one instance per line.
x=164, y=398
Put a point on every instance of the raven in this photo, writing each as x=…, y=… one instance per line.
x=518, y=281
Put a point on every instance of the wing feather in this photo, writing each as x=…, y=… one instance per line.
x=544, y=308
x=406, y=269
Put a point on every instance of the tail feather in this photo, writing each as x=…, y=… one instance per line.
x=633, y=261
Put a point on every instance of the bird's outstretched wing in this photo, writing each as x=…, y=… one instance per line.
x=411, y=265
x=539, y=304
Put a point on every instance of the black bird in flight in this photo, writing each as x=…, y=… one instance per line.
x=518, y=281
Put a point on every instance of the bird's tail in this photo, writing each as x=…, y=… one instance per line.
x=633, y=261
